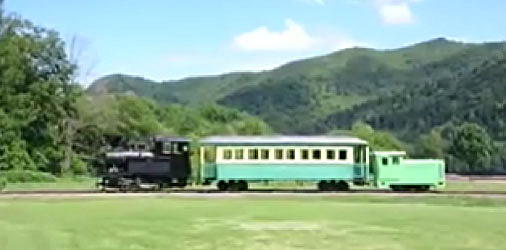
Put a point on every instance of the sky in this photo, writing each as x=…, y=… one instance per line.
x=173, y=39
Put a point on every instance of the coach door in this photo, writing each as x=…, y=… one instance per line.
x=360, y=170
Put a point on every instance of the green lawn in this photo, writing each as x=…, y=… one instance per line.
x=253, y=223
x=60, y=184
x=476, y=186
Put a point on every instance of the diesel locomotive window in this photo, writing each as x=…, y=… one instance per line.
x=331, y=154
x=253, y=154
x=227, y=154
x=290, y=154
x=238, y=154
x=342, y=154
x=265, y=154
x=304, y=154
x=278, y=154
x=384, y=161
x=395, y=160
x=317, y=154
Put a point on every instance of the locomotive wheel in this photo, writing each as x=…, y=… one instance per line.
x=222, y=186
x=398, y=188
x=342, y=186
x=423, y=188
x=181, y=183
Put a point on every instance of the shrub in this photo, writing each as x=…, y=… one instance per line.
x=78, y=166
x=15, y=176
x=3, y=183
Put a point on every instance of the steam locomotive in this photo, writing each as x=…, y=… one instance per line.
x=155, y=163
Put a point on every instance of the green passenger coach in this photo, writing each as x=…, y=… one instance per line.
x=333, y=162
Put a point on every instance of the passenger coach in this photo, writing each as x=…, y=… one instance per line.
x=333, y=162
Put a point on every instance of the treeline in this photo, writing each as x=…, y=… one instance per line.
x=50, y=127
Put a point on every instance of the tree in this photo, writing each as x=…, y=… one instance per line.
x=377, y=140
x=472, y=144
x=36, y=94
x=432, y=145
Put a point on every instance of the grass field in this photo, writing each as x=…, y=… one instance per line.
x=60, y=184
x=476, y=186
x=253, y=223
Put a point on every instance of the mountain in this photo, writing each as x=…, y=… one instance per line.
x=319, y=94
x=476, y=96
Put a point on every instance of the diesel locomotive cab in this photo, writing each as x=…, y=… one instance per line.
x=156, y=162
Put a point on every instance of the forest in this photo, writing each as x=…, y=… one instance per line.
x=437, y=99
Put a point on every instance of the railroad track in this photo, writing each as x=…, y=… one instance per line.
x=259, y=191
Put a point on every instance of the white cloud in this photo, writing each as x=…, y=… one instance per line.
x=294, y=37
x=395, y=12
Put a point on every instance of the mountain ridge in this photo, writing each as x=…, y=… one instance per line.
x=300, y=96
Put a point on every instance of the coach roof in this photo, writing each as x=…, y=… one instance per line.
x=282, y=140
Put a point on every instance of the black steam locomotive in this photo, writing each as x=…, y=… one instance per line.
x=155, y=163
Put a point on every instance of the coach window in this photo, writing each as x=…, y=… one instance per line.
x=304, y=154
x=227, y=154
x=278, y=154
x=342, y=154
x=290, y=154
x=253, y=154
x=395, y=160
x=384, y=161
x=210, y=154
x=317, y=154
x=264, y=153
x=238, y=154
x=331, y=154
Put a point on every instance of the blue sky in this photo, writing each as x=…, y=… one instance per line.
x=172, y=39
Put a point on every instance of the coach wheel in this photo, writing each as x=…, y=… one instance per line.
x=323, y=186
x=242, y=185
x=342, y=186
x=332, y=186
x=222, y=186
x=423, y=188
x=234, y=186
